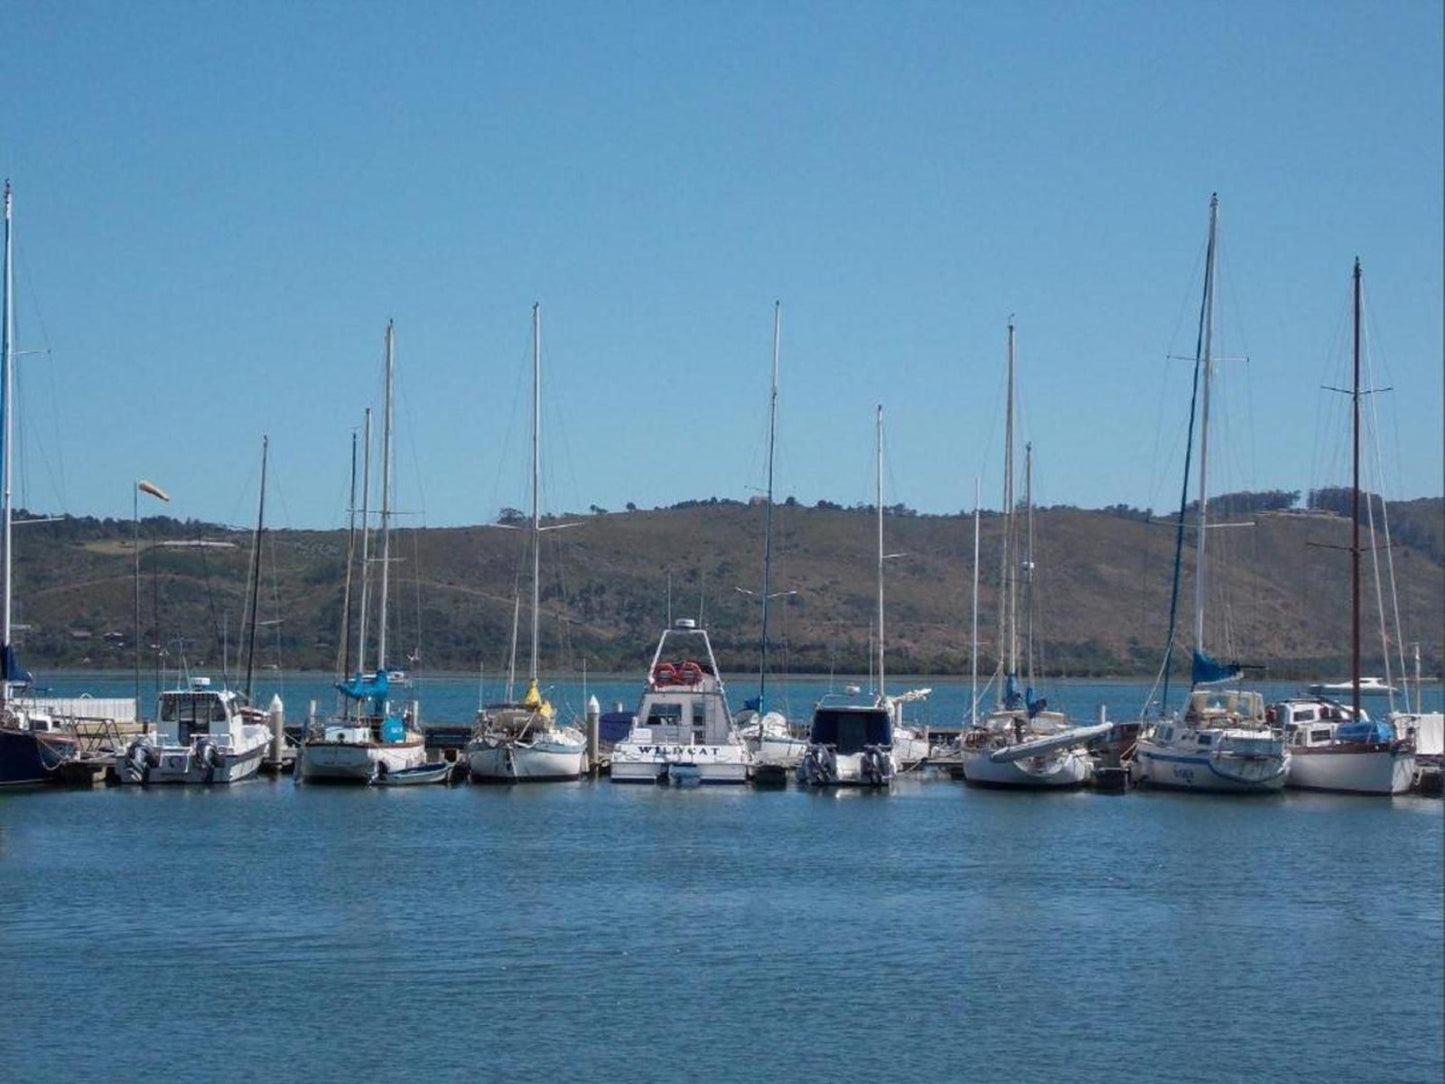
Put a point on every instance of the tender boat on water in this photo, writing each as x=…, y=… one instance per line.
x=682, y=728
x=850, y=743
x=203, y=735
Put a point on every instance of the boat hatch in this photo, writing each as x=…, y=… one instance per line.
x=849, y=731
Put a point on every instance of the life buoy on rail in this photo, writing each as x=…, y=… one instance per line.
x=689, y=673
x=664, y=674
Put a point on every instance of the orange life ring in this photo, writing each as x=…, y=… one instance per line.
x=689, y=673
x=664, y=674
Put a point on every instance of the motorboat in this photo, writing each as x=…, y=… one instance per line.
x=850, y=742
x=683, y=730
x=203, y=735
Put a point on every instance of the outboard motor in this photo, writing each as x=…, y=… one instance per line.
x=208, y=757
x=138, y=762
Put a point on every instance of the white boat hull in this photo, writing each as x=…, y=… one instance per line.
x=1353, y=771
x=711, y=764
x=355, y=762
x=502, y=761
x=179, y=764
x=1058, y=769
x=1231, y=773
x=826, y=768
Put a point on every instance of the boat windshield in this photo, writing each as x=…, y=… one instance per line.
x=849, y=731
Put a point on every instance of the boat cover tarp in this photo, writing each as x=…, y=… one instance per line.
x=1012, y=698
x=1365, y=730
x=1208, y=670
x=614, y=726
x=10, y=668
x=1035, y=704
x=393, y=729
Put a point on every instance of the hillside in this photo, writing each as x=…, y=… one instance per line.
x=1103, y=580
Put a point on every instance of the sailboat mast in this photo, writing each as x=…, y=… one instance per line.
x=1029, y=563
x=536, y=448
x=881, y=687
x=768, y=515
x=256, y=570
x=7, y=391
x=1207, y=370
x=1008, y=602
x=345, y=652
x=1355, y=516
x=973, y=648
x=365, y=543
x=385, y=497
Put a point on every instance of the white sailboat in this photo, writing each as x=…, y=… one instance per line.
x=356, y=747
x=1222, y=741
x=683, y=733
x=854, y=739
x=522, y=742
x=1331, y=747
x=1021, y=743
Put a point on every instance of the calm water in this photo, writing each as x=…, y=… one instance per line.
x=596, y=932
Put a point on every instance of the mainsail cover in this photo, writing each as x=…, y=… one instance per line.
x=11, y=671
x=1208, y=670
x=365, y=686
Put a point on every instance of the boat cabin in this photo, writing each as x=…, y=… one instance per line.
x=849, y=728
x=195, y=710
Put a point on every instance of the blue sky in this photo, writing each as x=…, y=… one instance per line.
x=218, y=207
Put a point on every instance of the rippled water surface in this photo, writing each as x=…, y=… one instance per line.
x=597, y=932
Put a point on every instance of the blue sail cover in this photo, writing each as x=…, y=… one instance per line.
x=1207, y=670
x=1034, y=705
x=1012, y=698
x=10, y=669
x=373, y=687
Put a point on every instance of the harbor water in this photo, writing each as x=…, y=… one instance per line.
x=596, y=932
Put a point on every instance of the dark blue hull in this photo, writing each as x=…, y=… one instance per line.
x=27, y=757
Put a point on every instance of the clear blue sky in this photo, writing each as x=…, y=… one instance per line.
x=220, y=205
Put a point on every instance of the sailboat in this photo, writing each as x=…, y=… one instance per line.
x=206, y=735
x=1021, y=743
x=521, y=742
x=1334, y=747
x=32, y=743
x=774, y=747
x=1222, y=741
x=355, y=748
x=853, y=739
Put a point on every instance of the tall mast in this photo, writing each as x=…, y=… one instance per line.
x=365, y=543
x=973, y=649
x=256, y=570
x=536, y=447
x=1008, y=603
x=345, y=652
x=768, y=516
x=881, y=688
x=1207, y=371
x=7, y=391
x=385, y=498
x=1029, y=563
x=1355, y=517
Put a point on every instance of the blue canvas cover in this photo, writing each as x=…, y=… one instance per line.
x=1365, y=730
x=393, y=729
x=1207, y=670
x=1012, y=698
x=10, y=668
x=614, y=726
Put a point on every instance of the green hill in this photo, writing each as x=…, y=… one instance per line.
x=1103, y=581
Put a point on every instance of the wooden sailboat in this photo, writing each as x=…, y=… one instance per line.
x=353, y=747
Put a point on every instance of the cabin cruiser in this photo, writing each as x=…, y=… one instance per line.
x=850, y=743
x=522, y=743
x=203, y=735
x=355, y=747
x=1222, y=742
x=1332, y=749
x=683, y=732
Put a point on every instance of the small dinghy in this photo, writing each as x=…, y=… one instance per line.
x=437, y=772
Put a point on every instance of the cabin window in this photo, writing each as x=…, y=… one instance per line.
x=1206, y=739
x=664, y=715
x=1320, y=736
x=699, y=713
x=218, y=711
x=168, y=709
x=1305, y=715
